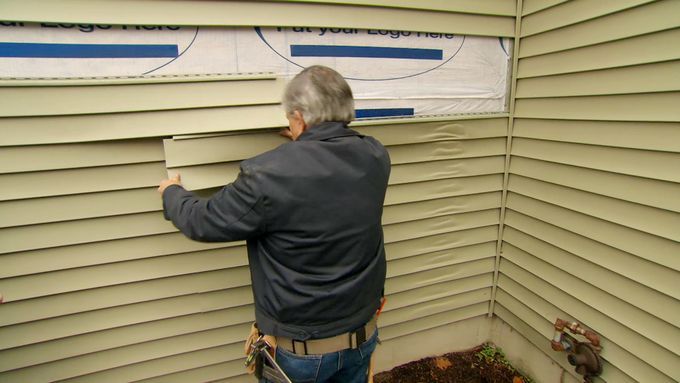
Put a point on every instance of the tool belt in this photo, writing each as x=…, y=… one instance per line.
x=260, y=361
x=352, y=339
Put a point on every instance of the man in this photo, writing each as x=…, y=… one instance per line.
x=310, y=211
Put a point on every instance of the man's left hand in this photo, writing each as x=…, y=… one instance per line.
x=176, y=180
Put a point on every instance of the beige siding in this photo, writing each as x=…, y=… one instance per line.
x=98, y=287
x=590, y=230
x=121, y=95
x=493, y=19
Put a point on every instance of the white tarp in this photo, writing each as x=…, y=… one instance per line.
x=403, y=72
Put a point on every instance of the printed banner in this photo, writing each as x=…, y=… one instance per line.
x=392, y=73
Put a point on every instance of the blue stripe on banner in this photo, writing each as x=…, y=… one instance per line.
x=41, y=50
x=362, y=51
x=385, y=112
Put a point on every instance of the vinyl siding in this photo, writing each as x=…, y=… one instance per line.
x=591, y=213
x=493, y=19
x=98, y=287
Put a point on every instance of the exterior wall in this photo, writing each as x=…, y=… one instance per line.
x=591, y=216
x=98, y=287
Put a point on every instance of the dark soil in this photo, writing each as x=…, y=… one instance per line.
x=482, y=364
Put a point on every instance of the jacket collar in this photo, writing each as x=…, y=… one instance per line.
x=326, y=131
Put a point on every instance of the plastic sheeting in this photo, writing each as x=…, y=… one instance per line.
x=392, y=73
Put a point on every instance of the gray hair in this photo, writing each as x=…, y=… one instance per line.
x=320, y=94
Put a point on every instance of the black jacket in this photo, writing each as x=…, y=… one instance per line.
x=310, y=211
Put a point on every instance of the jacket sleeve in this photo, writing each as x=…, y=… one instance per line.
x=234, y=213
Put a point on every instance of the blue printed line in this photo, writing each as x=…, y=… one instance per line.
x=42, y=50
x=364, y=51
x=384, y=112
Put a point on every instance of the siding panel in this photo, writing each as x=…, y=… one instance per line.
x=572, y=12
x=116, y=126
x=646, y=191
x=654, y=221
x=641, y=49
x=657, y=16
x=244, y=13
x=45, y=100
x=76, y=181
x=68, y=156
x=629, y=240
x=659, y=278
x=657, y=77
x=661, y=136
x=641, y=163
x=439, y=207
x=79, y=206
x=628, y=107
x=491, y=7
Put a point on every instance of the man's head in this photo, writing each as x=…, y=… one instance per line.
x=315, y=95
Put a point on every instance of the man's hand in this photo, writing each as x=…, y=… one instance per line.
x=172, y=181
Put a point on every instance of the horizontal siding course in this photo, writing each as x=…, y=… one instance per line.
x=69, y=156
x=194, y=150
x=77, y=181
x=478, y=283
x=124, y=356
x=434, y=243
x=435, y=320
x=655, y=77
x=427, y=190
x=245, y=13
x=637, y=50
x=626, y=107
x=642, y=190
x=440, y=207
x=84, y=342
x=90, y=99
x=439, y=225
x=199, y=366
x=572, y=12
x=653, y=17
x=641, y=163
x=492, y=7
x=118, y=126
x=661, y=136
x=216, y=175
x=418, y=310
x=650, y=274
x=460, y=255
x=79, y=206
x=654, y=221
x=73, y=256
x=622, y=238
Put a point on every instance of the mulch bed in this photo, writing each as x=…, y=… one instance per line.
x=482, y=364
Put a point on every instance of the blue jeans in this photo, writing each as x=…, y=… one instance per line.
x=346, y=366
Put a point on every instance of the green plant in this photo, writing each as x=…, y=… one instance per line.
x=490, y=354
